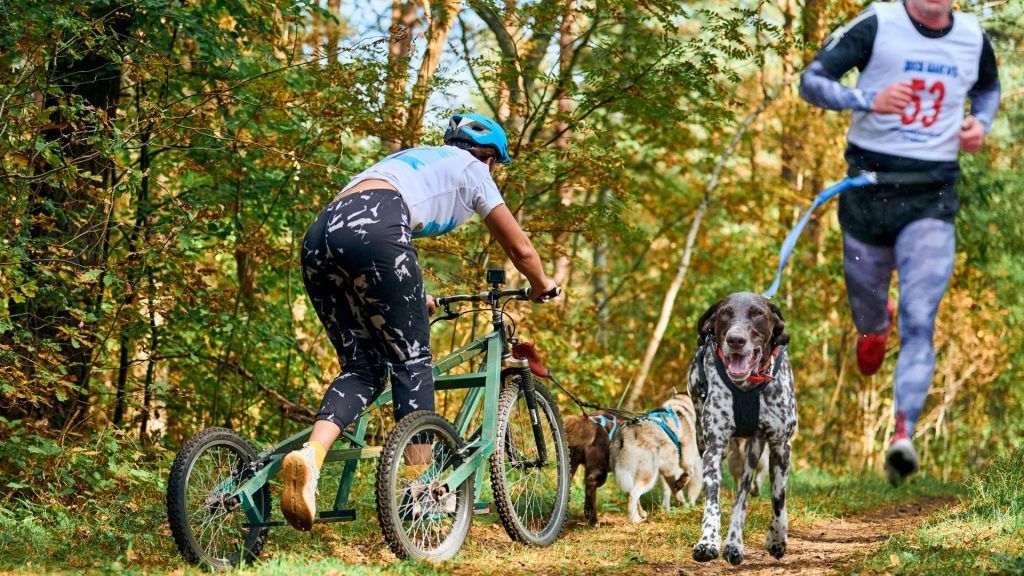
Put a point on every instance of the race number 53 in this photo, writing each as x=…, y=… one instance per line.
x=913, y=111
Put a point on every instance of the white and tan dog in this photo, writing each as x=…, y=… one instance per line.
x=662, y=444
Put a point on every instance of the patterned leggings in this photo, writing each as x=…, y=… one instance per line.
x=923, y=254
x=362, y=275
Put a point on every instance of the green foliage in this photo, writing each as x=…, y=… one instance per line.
x=85, y=497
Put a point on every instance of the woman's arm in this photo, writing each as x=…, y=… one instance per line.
x=520, y=250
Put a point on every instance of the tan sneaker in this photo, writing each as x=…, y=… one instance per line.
x=300, y=474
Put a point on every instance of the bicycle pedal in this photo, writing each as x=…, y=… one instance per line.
x=336, y=516
x=482, y=508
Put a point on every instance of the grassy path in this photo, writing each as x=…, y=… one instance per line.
x=838, y=523
x=825, y=536
x=827, y=546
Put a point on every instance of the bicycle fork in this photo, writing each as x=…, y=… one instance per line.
x=530, y=393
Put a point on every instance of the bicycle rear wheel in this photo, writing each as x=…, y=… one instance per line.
x=419, y=518
x=209, y=528
x=532, y=497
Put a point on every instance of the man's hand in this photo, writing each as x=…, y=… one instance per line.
x=893, y=99
x=537, y=293
x=431, y=305
x=972, y=135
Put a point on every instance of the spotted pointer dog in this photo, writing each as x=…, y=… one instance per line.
x=741, y=383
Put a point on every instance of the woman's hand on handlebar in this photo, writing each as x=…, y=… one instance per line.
x=546, y=291
x=431, y=305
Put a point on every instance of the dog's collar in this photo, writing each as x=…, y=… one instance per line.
x=768, y=371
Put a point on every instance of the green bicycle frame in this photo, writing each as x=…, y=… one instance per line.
x=484, y=385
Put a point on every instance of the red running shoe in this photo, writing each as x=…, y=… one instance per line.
x=871, y=346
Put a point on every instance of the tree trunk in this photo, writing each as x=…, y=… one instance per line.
x=334, y=30
x=601, y=278
x=684, y=261
x=62, y=213
x=147, y=389
x=566, y=39
x=403, y=20
x=790, y=141
x=442, y=17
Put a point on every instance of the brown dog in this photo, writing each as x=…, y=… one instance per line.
x=590, y=445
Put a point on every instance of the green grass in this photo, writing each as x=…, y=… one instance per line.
x=97, y=507
x=127, y=532
x=983, y=534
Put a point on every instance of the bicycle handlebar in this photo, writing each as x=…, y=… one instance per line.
x=520, y=294
x=493, y=295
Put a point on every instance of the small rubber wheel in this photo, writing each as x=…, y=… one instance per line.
x=419, y=517
x=209, y=528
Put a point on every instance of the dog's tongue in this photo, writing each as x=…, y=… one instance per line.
x=739, y=364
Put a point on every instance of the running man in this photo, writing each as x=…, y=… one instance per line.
x=919, y=64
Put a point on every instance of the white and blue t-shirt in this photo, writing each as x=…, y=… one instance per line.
x=443, y=186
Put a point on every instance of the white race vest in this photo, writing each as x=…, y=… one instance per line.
x=941, y=71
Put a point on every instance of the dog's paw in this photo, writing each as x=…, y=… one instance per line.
x=704, y=552
x=733, y=554
x=776, y=547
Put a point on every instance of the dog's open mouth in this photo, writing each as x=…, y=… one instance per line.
x=740, y=366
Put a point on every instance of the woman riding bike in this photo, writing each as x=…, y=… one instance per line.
x=363, y=277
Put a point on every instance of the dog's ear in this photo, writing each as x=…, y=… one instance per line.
x=779, y=335
x=706, y=324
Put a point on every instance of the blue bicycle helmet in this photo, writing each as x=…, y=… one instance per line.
x=478, y=130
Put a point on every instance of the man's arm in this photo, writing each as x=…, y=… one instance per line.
x=848, y=47
x=985, y=93
x=825, y=91
x=984, y=97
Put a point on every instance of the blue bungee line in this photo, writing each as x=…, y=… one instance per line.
x=824, y=196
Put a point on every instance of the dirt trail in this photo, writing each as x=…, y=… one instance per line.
x=661, y=546
x=823, y=547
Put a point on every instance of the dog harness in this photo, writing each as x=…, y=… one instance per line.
x=661, y=417
x=602, y=421
x=746, y=404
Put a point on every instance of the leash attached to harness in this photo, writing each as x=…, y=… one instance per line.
x=528, y=351
x=790, y=242
x=746, y=404
x=862, y=179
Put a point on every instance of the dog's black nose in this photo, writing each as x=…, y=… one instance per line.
x=735, y=341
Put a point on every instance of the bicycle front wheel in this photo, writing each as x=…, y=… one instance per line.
x=419, y=517
x=532, y=493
